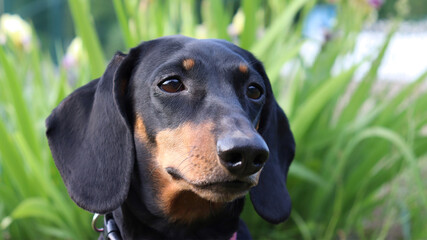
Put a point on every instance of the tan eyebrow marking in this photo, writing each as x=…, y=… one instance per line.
x=140, y=130
x=188, y=63
x=243, y=68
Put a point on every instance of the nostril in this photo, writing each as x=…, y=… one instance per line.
x=259, y=160
x=232, y=159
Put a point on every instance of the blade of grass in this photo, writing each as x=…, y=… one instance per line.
x=289, y=52
x=188, y=17
x=336, y=214
x=86, y=30
x=216, y=26
x=35, y=207
x=388, y=114
x=12, y=84
x=280, y=25
x=302, y=225
x=248, y=36
x=309, y=110
x=397, y=141
x=300, y=171
x=363, y=89
x=123, y=21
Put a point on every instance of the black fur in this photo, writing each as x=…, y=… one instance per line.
x=92, y=140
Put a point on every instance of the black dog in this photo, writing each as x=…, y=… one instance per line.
x=172, y=137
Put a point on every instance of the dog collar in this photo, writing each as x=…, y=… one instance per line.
x=110, y=231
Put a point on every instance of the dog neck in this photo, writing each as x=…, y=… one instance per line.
x=137, y=219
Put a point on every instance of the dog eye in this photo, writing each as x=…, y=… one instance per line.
x=254, y=91
x=171, y=85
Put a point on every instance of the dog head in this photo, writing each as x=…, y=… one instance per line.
x=199, y=115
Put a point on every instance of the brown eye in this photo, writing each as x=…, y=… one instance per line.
x=254, y=91
x=171, y=85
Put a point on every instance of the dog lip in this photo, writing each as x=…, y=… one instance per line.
x=236, y=185
x=174, y=173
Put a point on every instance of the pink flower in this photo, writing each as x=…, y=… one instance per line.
x=376, y=3
x=74, y=54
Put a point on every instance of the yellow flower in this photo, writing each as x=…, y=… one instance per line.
x=14, y=28
x=237, y=25
x=201, y=32
x=361, y=6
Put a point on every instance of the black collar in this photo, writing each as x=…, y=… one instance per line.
x=111, y=231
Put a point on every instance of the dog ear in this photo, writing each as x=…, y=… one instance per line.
x=90, y=139
x=270, y=197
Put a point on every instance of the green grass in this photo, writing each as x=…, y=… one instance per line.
x=33, y=201
x=359, y=166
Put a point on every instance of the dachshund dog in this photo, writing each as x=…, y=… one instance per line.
x=170, y=140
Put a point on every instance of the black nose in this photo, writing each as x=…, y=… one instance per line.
x=242, y=156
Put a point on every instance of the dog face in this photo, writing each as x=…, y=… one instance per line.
x=198, y=115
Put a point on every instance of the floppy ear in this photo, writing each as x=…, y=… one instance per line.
x=91, y=142
x=270, y=197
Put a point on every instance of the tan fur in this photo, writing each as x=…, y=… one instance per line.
x=179, y=203
x=188, y=64
x=140, y=130
x=243, y=68
x=190, y=149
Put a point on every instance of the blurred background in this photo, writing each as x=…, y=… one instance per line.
x=350, y=74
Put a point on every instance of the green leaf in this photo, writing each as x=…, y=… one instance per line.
x=300, y=171
x=311, y=107
x=36, y=208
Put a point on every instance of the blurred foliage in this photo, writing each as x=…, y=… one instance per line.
x=416, y=9
x=54, y=23
x=360, y=149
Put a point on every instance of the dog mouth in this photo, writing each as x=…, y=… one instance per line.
x=227, y=186
x=229, y=189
